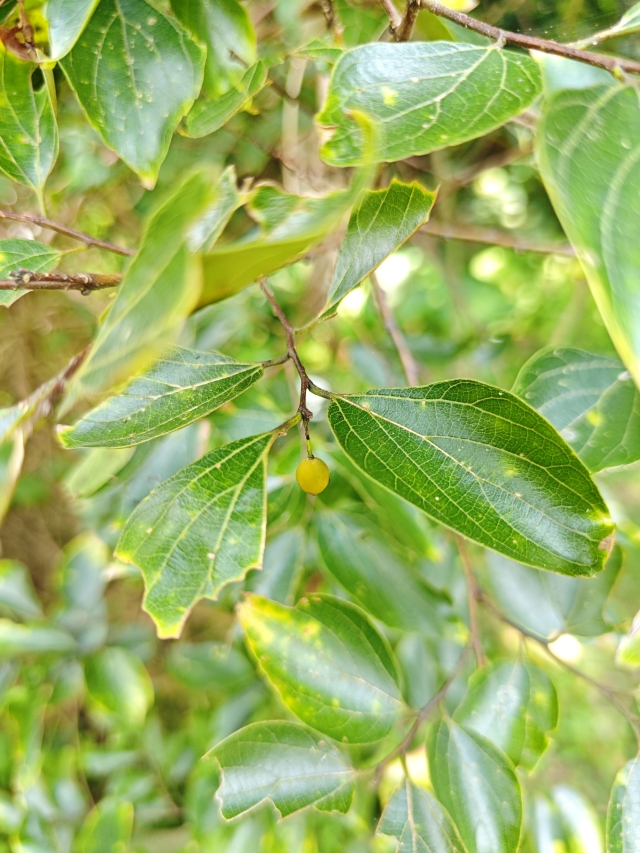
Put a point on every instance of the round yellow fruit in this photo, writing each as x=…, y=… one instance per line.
x=312, y=475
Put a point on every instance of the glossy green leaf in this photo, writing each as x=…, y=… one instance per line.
x=591, y=400
x=419, y=823
x=478, y=786
x=548, y=604
x=158, y=291
x=118, y=682
x=67, y=19
x=423, y=96
x=22, y=640
x=376, y=577
x=16, y=253
x=623, y=816
x=205, y=232
x=285, y=763
x=590, y=161
x=136, y=111
x=329, y=664
x=484, y=463
x=181, y=387
x=579, y=820
x=28, y=129
x=207, y=116
x=17, y=594
x=108, y=827
x=628, y=651
x=200, y=529
x=381, y=222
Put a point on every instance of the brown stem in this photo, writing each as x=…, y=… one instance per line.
x=613, y=64
x=493, y=236
x=473, y=596
x=85, y=282
x=68, y=232
x=407, y=360
x=405, y=29
x=395, y=18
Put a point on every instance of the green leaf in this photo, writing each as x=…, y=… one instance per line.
x=11, y=459
x=16, y=591
x=181, y=387
x=118, y=682
x=23, y=640
x=548, y=604
x=16, y=253
x=381, y=222
x=282, y=567
x=95, y=469
x=108, y=827
x=423, y=97
x=209, y=666
x=329, y=664
x=579, y=820
x=542, y=716
x=199, y=530
x=67, y=19
x=591, y=400
x=418, y=822
x=376, y=577
x=205, y=232
x=629, y=22
x=623, y=816
x=285, y=763
x=590, y=161
x=207, y=116
x=158, y=290
x=478, y=786
x=28, y=129
x=482, y=462
x=628, y=651
x=135, y=111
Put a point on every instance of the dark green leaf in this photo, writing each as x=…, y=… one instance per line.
x=179, y=388
x=135, y=112
x=419, y=823
x=208, y=116
x=20, y=640
x=589, y=158
x=29, y=254
x=205, y=232
x=199, y=530
x=284, y=763
x=328, y=663
x=591, y=400
x=423, y=97
x=623, y=817
x=382, y=221
x=478, y=786
x=482, y=462
x=118, y=682
x=67, y=19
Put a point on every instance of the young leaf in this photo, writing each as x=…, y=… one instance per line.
x=623, y=816
x=591, y=400
x=478, y=786
x=135, y=112
x=28, y=129
x=16, y=253
x=205, y=232
x=419, y=823
x=200, y=529
x=329, y=664
x=285, y=763
x=482, y=462
x=381, y=222
x=179, y=388
x=207, y=116
x=423, y=96
x=67, y=19
x=590, y=162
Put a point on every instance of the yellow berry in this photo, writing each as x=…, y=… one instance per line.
x=312, y=475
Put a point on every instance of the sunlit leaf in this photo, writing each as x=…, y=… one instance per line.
x=11, y=459
x=31, y=255
x=623, y=817
x=579, y=819
x=207, y=116
x=67, y=19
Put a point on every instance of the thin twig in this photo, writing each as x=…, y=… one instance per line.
x=473, y=596
x=272, y=362
x=613, y=64
x=493, y=236
x=23, y=279
x=68, y=232
x=407, y=360
x=495, y=161
x=405, y=29
x=395, y=18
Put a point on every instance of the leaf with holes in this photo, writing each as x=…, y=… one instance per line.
x=16, y=253
x=623, y=816
x=207, y=116
x=484, y=463
x=199, y=530
x=422, y=97
x=67, y=19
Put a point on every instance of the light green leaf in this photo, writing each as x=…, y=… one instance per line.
x=17, y=253
x=423, y=96
x=207, y=116
x=591, y=400
x=28, y=129
x=579, y=820
x=119, y=683
x=108, y=827
x=629, y=22
x=16, y=591
x=478, y=786
x=542, y=716
x=628, y=651
x=376, y=577
x=381, y=222
x=181, y=387
x=67, y=19
x=623, y=816
x=482, y=462
x=158, y=291
x=548, y=605
x=11, y=459
x=205, y=232
x=329, y=664
x=199, y=530
x=95, y=469
x=418, y=822
x=137, y=110
x=285, y=763
x=589, y=157
x=544, y=830
x=23, y=640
